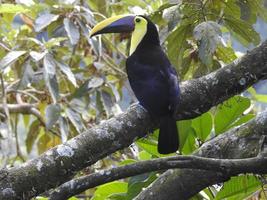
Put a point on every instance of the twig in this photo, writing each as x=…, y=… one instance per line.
x=7, y=115
x=227, y=166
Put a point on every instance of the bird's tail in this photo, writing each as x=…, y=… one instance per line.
x=168, y=141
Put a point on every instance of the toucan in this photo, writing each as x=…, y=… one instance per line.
x=152, y=78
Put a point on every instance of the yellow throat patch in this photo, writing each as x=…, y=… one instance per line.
x=138, y=33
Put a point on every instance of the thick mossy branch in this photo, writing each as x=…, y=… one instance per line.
x=59, y=164
x=225, y=167
x=241, y=142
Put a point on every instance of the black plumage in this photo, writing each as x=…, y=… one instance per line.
x=154, y=82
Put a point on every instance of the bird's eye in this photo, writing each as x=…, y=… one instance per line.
x=137, y=20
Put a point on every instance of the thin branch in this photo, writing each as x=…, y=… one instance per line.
x=18, y=108
x=254, y=165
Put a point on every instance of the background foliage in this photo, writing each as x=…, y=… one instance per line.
x=71, y=82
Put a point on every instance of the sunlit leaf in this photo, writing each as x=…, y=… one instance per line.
x=43, y=142
x=10, y=58
x=13, y=8
x=44, y=20
x=37, y=56
x=32, y=135
x=104, y=191
x=238, y=188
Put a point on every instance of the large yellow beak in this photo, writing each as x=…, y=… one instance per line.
x=116, y=24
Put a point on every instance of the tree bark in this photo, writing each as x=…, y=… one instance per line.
x=59, y=164
x=241, y=142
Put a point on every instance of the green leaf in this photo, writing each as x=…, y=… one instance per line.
x=72, y=31
x=10, y=58
x=137, y=183
x=225, y=54
x=176, y=41
x=43, y=142
x=238, y=188
x=37, y=56
x=202, y=126
x=32, y=135
x=143, y=155
x=26, y=76
x=190, y=142
x=208, y=35
x=229, y=112
x=67, y=71
x=237, y=27
x=184, y=128
x=54, y=42
x=242, y=120
x=75, y=119
x=12, y=8
x=44, y=20
x=127, y=162
x=64, y=128
x=52, y=113
x=139, y=3
x=50, y=76
x=104, y=191
x=95, y=82
x=259, y=8
x=149, y=146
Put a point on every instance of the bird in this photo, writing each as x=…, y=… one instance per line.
x=151, y=76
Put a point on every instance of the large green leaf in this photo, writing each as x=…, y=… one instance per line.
x=104, y=191
x=229, y=112
x=176, y=41
x=149, y=146
x=237, y=27
x=238, y=188
x=203, y=125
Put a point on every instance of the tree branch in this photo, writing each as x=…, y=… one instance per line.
x=59, y=164
x=256, y=165
x=240, y=142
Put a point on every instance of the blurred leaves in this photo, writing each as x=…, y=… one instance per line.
x=49, y=60
x=10, y=58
